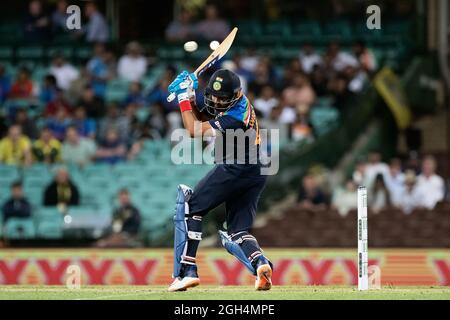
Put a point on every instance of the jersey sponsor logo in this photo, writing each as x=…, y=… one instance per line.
x=217, y=123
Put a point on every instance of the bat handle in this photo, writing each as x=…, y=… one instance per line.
x=171, y=97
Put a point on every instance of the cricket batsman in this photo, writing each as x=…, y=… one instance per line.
x=235, y=180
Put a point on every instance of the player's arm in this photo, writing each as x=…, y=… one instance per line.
x=191, y=123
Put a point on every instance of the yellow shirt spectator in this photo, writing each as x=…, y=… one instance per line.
x=15, y=151
x=47, y=149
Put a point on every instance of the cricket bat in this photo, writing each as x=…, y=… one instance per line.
x=215, y=56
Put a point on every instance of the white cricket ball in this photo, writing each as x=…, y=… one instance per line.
x=190, y=46
x=67, y=219
x=214, y=44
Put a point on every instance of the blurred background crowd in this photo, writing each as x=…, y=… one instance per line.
x=84, y=108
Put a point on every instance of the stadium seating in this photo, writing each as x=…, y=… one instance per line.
x=50, y=228
x=19, y=228
x=152, y=185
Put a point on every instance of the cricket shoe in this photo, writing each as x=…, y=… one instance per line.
x=189, y=279
x=263, y=275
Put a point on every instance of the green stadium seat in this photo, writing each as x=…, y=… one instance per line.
x=8, y=174
x=277, y=29
x=37, y=170
x=96, y=169
x=116, y=90
x=249, y=31
x=82, y=53
x=305, y=31
x=39, y=74
x=66, y=51
x=6, y=53
x=324, y=118
x=338, y=30
x=31, y=182
x=48, y=212
x=9, y=31
x=50, y=228
x=63, y=38
x=19, y=228
x=361, y=32
x=30, y=53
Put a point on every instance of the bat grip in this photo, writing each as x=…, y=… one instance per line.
x=171, y=97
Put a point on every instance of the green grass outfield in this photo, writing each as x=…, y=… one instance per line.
x=221, y=292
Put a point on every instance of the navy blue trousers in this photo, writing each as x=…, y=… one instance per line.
x=238, y=186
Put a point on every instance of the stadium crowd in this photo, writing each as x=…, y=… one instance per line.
x=77, y=125
x=68, y=120
x=403, y=184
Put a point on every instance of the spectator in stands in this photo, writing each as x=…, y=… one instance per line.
x=395, y=180
x=59, y=102
x=430, y=185
x=159, y=93
x=77, y=87
x=63, y=71
x=343, y=199
x=245, y=75
x=133, y=65
x=86, y=127
x=77, y=150
x=17, y=206
x=111, y=149
x=59, y=123
x=310, y=195
x=3, y=126
x=28, y=126
x=301, y=129
x=135, y=95
x=359, y=175
x=374, y=167
x=37, y=23
x=47, y=149
x=23, y=87
x=59, y=17
x=181, y=28
x=155, y=126
x=15, y=148
x=286, y=114
x=94, y=105
x=264, y=74
x=5, y=84
x=49, y=89
x=250, y=60
x=126, y=222
x=99, y=69
x=413, y=162
x=318, y=81
x=379, y=197
x=338, y=88
x=134, y=124
x=337, y=60
x=114, y=119
x=97, y=29
x=309, y=58
x=410, y=197
x=299, y=93
x=367, y=61
x=266, y=101
x=212, y=27
x=356, y=78
x=61, y=192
